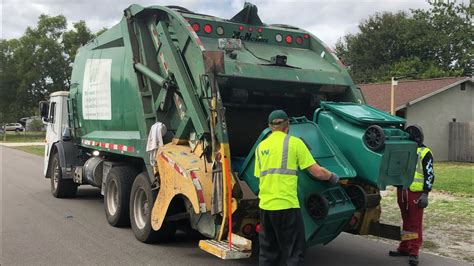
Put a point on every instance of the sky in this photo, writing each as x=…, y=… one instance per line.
x=329, y=20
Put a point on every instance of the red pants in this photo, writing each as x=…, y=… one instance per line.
x=412, y=220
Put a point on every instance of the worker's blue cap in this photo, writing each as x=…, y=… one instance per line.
x=277, y=116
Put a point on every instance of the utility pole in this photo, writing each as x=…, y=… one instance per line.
x=4, y=132
x=392, y=95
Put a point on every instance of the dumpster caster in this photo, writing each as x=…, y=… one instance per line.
x=416, y=134
x=374, y=138
x=317, y=206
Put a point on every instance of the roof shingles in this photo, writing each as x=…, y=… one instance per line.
x=378, y=94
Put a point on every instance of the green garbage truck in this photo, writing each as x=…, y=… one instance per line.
x=165, y=111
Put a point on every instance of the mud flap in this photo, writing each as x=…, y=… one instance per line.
x=241, y=248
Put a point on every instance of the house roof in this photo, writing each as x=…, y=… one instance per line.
x=407, y=92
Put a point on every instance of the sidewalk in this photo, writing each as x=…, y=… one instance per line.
x=18, y=144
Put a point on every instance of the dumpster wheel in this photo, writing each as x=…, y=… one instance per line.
x=374, y=138
x=416, y=134
x=317, y=206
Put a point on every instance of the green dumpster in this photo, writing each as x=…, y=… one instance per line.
x=373, y=141
x=326, y=208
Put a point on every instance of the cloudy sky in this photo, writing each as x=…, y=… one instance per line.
x=327, y=19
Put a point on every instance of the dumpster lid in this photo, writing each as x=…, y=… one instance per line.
x=362, y=114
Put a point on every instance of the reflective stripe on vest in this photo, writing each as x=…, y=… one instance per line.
x=419, y=178
x=284, y=161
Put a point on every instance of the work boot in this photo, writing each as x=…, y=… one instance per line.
x=413, y=260
x=396, y=253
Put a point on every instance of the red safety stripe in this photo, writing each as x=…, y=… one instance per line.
x=200, y=194
x=194, y=178
x=110, y=146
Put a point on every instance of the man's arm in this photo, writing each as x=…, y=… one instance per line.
x=319, y=172
x=306, y=161
x=428, y=176
x=428, y=172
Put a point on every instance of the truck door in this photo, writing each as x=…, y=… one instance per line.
x=53, y=122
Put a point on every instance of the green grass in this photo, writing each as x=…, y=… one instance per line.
x=36, y=150
x=31, y=136
x=454, y=178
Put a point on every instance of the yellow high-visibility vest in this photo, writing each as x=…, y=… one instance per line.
x=419, y=179
x=278, y=158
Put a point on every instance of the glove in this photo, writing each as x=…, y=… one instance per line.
x=423, y=200
x=333, y=179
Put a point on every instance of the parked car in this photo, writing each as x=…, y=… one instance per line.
x=13, y=127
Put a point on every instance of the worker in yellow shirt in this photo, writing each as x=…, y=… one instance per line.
x=279, y=157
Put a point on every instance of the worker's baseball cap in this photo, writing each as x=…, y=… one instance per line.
x=278, y=115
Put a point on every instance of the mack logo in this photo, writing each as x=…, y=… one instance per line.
x=248, y=37
x=265, y=152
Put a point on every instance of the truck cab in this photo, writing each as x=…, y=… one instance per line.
x=54, y=115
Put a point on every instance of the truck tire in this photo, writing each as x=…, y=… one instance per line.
x=117, y=195
x=142, y=199
x=60, y=188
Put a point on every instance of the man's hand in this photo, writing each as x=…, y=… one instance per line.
x=423, y=200
x=333, y=179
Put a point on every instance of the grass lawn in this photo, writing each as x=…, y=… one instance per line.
x=29, y=136
x=454, y=178
x=36, y=150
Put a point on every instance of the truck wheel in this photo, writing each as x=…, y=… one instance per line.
x=142, y=199
x=117, y=195
x=61, y=188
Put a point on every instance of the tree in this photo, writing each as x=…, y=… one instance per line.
x=37, y=64
x=9, y=81
x=75, y=38
x=72, y=41
x=429, y=43
x=451, y=34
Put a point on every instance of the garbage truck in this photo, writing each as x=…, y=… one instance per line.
x=165, y=111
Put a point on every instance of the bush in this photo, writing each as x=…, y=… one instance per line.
x=35, y=125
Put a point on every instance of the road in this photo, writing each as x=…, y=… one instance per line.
x=37, y=229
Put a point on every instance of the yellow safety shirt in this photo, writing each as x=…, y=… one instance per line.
x=278, y=158
x=419, y=179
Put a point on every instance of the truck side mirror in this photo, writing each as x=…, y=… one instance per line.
x=44, y=110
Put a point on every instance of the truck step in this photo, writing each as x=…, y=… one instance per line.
x=241, y=248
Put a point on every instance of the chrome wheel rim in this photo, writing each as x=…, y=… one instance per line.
x=140, y=208
x=112, y=197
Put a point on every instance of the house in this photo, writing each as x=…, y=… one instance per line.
x=434, y=104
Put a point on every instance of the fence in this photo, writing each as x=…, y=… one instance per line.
x=461, y=142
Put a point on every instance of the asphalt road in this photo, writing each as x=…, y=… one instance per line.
x=38, y=229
